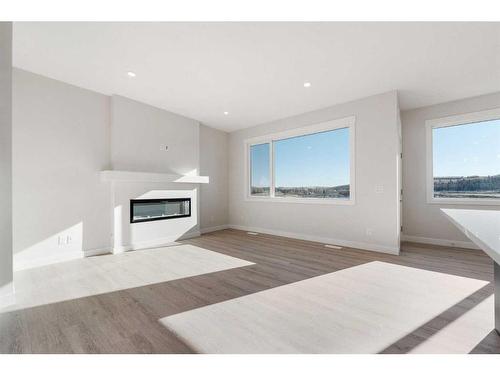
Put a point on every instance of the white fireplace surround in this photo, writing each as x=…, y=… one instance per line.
x=127, y=185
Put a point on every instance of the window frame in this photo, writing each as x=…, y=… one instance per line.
x=444, y=122
x=347, y=122
x=271, y=174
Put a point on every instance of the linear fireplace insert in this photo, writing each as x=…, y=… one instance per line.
x=142, y=210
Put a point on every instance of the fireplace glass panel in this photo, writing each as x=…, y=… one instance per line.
x=159, y=209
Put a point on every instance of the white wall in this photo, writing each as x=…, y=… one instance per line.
x=62, y=139
x=213, y=163
x=140, y=133
x=139, y=136
x=6, y=287
x=423, y=221
x=60, y=143
x=64, y=135
x=377, y=150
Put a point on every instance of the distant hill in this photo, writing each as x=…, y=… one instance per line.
x=340, y=191
x=448, y=186
x=469, y=183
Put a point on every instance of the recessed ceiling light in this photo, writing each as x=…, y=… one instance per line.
x=226, y=113
x=131, y=74
x=307, y=84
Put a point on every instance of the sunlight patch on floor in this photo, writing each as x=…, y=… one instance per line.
x=463, y=334
x=108, y=273
x=363, y=309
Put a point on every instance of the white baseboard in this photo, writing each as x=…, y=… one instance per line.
x=189, y=235
x=165, y=241
x=7, y=296
x=159, y=242
x=100, y=251
x=326, y=240
x=214, y=229
x=23, y=263
x=439, y=241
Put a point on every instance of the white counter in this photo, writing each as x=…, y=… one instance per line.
x=481, y=226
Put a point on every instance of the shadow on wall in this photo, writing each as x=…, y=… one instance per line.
x=56, y=230
x=60, y=140
x=61, y=246
x=59, y=220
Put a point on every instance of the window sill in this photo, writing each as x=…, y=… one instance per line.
x=324, y=201
x=467, y=202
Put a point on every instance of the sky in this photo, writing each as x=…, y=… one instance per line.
x=259, y=158
x=320, y=159
x=467, y=150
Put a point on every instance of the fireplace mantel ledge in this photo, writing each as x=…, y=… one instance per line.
x=130, y=176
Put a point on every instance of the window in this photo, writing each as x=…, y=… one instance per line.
x=259, y=159
x=464, y=158
x=311, y=164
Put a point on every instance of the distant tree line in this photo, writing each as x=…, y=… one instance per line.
x=470, y=183
x=257, y=190
x=341, y=191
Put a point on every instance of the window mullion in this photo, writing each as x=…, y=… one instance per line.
x=271, y=168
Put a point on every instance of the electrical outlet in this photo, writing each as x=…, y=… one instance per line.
x=369, y=231
x=64, y=240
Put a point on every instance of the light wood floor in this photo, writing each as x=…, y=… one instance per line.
x=361, y=309
x=127, y=321
x=109, y=273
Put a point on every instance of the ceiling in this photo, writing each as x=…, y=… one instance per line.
x=256, y=71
